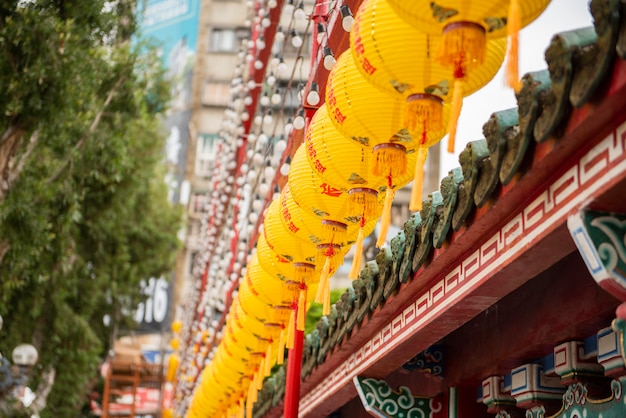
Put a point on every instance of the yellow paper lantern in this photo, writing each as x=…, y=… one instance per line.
x=331, y=248
x=349, y=165
x=263, y=312
x=278, y=248
x=317, y=226
x=318, y=198
x=251, y=320
x=254, y=316
x=272, y=290
x=274, y=264
x=343, y=163
x=433, y=16
x=240, y=335
x=175, y=343
x=329, y=203
x=172, y=367
x=201, y=405
x=249, y=301
x=466, y=26
x=399, y=58
x=176, y=326
x=234, y=349
x=368, y=116
x=227, y=370
x=303, y=272
x=242, y=360
x=281, y=253
x=423, y=127
x=364, y=113
x=374, y=118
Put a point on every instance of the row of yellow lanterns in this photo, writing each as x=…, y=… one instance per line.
x=391, y=96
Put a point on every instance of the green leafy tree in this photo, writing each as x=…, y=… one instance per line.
x=84, y=215
x=314, y=313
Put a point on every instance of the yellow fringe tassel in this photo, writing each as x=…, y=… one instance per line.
x=291, y=331
x=301, y=310
x=280, y=359
x=172, y=367
x=385, y=219
x=241, y=409
x=358, y=256
x=268, y=360
x=389, y=160
x=290, y=290
x=363, y=200
x=259, y=375
x=255, y=390
x=513, y=25
x=333, y=231
x=326, y=306
x=303, y=272
x=455, y=112
x=249, y=403
x=463, y=46
x=324, y=276
x=424, y=113
x=418, y=181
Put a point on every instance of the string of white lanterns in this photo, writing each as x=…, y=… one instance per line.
x=250, y=185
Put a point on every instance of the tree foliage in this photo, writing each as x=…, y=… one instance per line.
x=84, y=214
x=314, y=313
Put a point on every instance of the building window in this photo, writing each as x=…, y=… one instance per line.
x=198, y=205
x=205, y=154
x=215, y=93
x=227, y=39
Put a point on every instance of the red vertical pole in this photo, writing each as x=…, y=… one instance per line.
x=294, y=369
x=294, y=362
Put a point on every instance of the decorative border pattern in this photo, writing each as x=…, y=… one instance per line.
x=568, y=193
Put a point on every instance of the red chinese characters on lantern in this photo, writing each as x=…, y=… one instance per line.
x=252, y=289
x=332, y=100
x=228, y=351
x=311, y=149
x=285, y=209
x=339, y=117
x=359, y=48
x=318, y=166
x=330, y=190
x=368, y=67
x=287, y=216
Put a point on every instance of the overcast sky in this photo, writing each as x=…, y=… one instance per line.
x=559, y=16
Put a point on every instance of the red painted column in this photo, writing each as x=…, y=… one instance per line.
x=294, y=370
